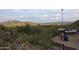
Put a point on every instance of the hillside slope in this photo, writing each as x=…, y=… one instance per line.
x=74, y=25
x=17, y=23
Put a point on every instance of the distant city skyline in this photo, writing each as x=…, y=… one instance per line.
x=38, y=15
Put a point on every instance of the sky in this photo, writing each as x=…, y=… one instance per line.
x=38, y=15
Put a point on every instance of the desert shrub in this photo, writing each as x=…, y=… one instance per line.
x=24, y=29
x=42, y=39
x=24, y=35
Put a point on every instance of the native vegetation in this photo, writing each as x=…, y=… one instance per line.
x=19, y=37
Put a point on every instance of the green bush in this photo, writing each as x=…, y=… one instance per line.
x=24, y=35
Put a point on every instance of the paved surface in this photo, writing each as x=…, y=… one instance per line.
x=73, y=42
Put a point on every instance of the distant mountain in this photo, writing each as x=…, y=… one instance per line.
x=17, y=23
x=56, y=23
x=14, y=23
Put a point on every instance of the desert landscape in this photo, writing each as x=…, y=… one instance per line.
x=27, y=35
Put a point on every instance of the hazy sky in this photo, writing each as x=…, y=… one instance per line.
x=38, y=15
